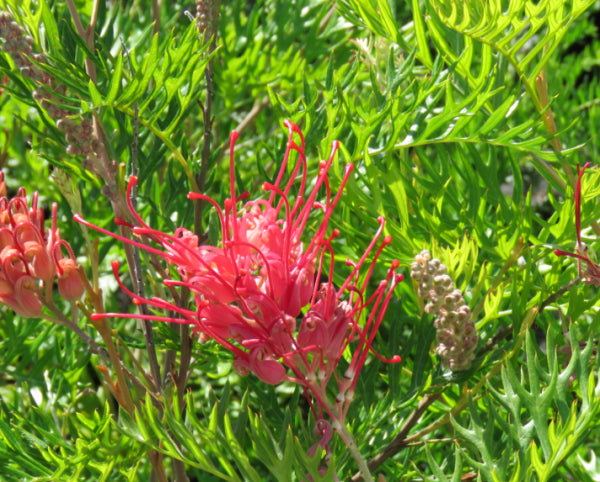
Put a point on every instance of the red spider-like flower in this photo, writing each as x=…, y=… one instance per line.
x=32, y=257
x=591, y=275
x=258, y=292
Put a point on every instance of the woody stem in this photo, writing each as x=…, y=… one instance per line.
x=105, y=333
x=361, y=462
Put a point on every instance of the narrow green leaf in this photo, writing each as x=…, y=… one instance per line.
x=115, y=81
x=94, y=94
x=423, y=48
x=387, y=19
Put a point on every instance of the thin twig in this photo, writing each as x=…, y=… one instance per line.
x=103, y=165
x=210, y=35
x=541, y=88
x=136, y=267
x=61, y=320
x=251, y=115
x=554, y=296
x=155, y=9
x=138, y=366
x=327, y=17
x=87, y=35
x=96, y=349
x=137, y=383
x=399, y=441
x=364, y=470
x=110, y=351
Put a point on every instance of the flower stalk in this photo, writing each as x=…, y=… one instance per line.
x=591, y=274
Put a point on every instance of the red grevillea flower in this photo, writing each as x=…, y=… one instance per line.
x=31, y=258
x=591, y=274
x=258, y=294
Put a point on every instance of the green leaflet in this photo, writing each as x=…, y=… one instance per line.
x=526, y=33
x=516, y=431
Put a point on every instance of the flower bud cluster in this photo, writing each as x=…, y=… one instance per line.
x=79, y=135
x=31, y=258
x=18, y=45
x=78, y=131
x=456, y=335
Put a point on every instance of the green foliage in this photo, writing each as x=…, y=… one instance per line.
x=516, y=441
x=209, y=440
x=526, y=33
x=446, y=109
x=49, y=428
x=34, y=447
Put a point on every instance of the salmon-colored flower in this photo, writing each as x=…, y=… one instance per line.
x=258, y=292
x=30, y=257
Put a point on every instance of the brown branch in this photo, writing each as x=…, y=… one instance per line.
x=327, y=17
x=252, y=114
x=136, y=267
x=400, y=440
x=62, y=320
x=155, y=9
x=110, y=352
x=87, y=35
x=210, y=32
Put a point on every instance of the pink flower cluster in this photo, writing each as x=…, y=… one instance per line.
x=31, y=258
x=258, y=293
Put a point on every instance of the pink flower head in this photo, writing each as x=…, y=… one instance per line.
x=28, y=255
x=591, y=274
x=257, y=292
